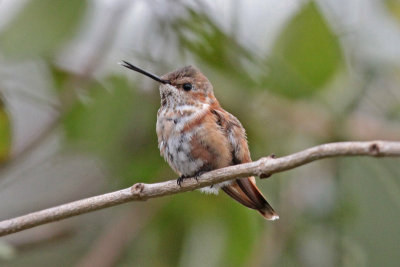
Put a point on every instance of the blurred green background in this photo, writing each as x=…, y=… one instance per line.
x=73, y=123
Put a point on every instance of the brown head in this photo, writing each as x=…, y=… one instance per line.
x=184, y=86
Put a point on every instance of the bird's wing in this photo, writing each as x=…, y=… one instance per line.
x=243, y=190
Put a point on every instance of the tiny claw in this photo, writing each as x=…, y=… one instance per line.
x=198, y=174
x=183, y=177
x=180, y=180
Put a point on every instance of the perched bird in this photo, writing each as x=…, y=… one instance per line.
x=196, y=135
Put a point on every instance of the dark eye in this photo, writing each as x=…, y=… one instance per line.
x=187, y=86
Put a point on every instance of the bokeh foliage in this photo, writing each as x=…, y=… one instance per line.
x=104, y=126
x=305, y=55
x=41, y=27
x=5, y=133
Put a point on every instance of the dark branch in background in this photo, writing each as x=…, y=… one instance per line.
x=140, y=191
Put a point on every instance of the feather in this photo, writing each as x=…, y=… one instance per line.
x=242, y=190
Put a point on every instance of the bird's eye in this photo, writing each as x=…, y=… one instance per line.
x=187, y=86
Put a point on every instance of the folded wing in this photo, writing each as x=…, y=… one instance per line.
x=242, y=190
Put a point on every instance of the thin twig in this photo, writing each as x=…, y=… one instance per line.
x=140, y=191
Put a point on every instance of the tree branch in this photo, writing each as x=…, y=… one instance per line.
x=263, y=167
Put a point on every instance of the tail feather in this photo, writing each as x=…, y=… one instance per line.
x=252, y=192
x=245, y=191
x=234, y=192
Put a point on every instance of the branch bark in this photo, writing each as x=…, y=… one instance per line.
x=263, y=167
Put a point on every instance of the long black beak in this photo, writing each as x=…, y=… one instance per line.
x=148, y=74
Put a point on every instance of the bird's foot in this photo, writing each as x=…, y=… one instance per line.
x=198, y=174
x=180, y=179
x=195, y=176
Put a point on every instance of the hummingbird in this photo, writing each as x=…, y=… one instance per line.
x=196, y=135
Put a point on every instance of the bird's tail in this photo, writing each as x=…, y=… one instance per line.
x=245, y=192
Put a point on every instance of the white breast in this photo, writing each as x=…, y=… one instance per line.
x=174, y=143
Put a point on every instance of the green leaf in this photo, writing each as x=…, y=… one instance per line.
x=117, y=124
x=394, y=8
x=41, y=27
x=305, y=55
x=5, y=134
x=200, y=35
